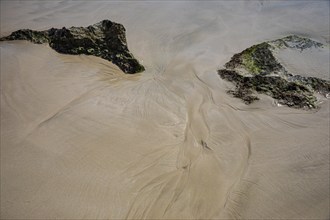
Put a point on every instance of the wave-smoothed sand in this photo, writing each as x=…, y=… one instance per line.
x=82, y=140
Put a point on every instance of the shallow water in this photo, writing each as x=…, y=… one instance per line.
x=80, y=139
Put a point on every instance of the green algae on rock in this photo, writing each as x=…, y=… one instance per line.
x=105, y=39
x=257, y=59
x=256, y=69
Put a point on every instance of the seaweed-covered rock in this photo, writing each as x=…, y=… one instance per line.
x=105, y=39
x=255, y=69
x=257, y=59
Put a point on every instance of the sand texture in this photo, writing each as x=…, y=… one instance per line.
x=82, y=140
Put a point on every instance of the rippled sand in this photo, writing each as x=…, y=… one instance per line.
x=82, y=140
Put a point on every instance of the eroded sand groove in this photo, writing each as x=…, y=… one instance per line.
x=199, y=173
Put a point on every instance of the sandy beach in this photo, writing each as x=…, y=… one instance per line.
x=82, y=140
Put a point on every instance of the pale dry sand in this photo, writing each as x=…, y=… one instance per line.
x=82, y=140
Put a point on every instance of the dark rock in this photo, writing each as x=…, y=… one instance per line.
x=295, y=42
x=256, y=70
x=105, y=39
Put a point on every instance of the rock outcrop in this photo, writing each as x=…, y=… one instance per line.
x=257, y=70
x=105, y=39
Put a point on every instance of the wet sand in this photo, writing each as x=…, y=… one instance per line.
x=82, y=140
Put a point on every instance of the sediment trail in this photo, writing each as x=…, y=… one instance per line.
x=199, y=172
